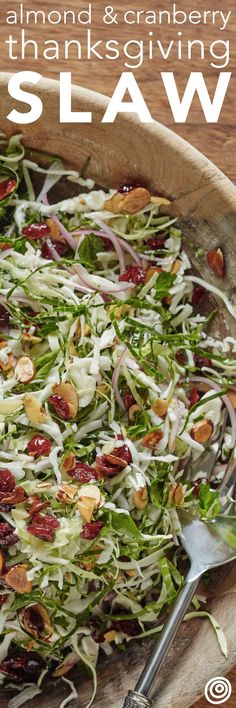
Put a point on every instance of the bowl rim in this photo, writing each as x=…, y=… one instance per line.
x=167, y=135
x=223, y=185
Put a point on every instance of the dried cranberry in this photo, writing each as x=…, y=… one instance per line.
x=60, y=247
x=180, y=356
x=15, y=668
x=194, y=396
x=60, y=406
x=7, y=187
x=35, y=504
x=48, y=520
x=107, y=601
x=39, y=445
x=133, y=274
x=35, y=231
x=129, y=627
x=7, y=535
x=128, y=400
x=97, y=631
x=83, y=473
x=42, y=532
x=201, y=361
x=34, y=620
x=4, y=318
x=127, y=188
x=35, y=664
x=108, y=464
x=43, y=526
x=17, y=496
x=199, y=295
x=23, y=664
x=91, y=530
x=105, y=468
x=29, y=313
x=107, y=243
x=7, y=482
x=197, y=484
x=156, y=242
x=124, y=453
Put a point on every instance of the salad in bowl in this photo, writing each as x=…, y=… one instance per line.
x=111, y=386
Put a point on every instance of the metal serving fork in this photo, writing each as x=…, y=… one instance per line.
x=208, y=545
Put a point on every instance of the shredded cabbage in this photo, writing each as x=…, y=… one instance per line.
x=101, y=339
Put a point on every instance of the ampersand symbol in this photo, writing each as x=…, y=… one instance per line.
x=110, y=18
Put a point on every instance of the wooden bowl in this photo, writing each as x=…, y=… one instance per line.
x=205, y=201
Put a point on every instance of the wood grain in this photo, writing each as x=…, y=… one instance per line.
x=217, y=142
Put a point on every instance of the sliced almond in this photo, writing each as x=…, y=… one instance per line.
x=90, y=491
x=176, y=266
x=120, y=311
x=86, y=506
x=69, y=577
x=135, y=200
x=8, y=363
x=44, y=485
x=167, y=300
x=113, y=460
x=69, y=394
x=16, y=578
x=26, y=337
x=113, y=204
x=69, y=462
x=140, y=498
x=25, y=369
x=131, y=573
x=63, y=669
x=66, y=493
x=103, y=388
x=176, y=494
x=150, y=272
x=43, y=614
x=160, y=201
x=30, y=645
x=232, y=396
x=129, y=203
x=86, y=329
x=2, y=561
x=87, y=565
x=202, y=431
x=150, y=440
x=34, y=410
x=54, y=230
x=135, y=408
x=110, y=636
x=160, y=407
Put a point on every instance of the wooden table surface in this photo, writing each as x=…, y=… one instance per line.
x=216, y=141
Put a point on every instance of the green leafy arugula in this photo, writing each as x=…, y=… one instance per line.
x=89, y=249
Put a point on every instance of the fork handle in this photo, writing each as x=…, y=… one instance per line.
x=138, y=697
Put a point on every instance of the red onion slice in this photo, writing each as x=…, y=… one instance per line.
x=67, y=235
x=119, y=241
x=102, y=285
x=109, y=233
